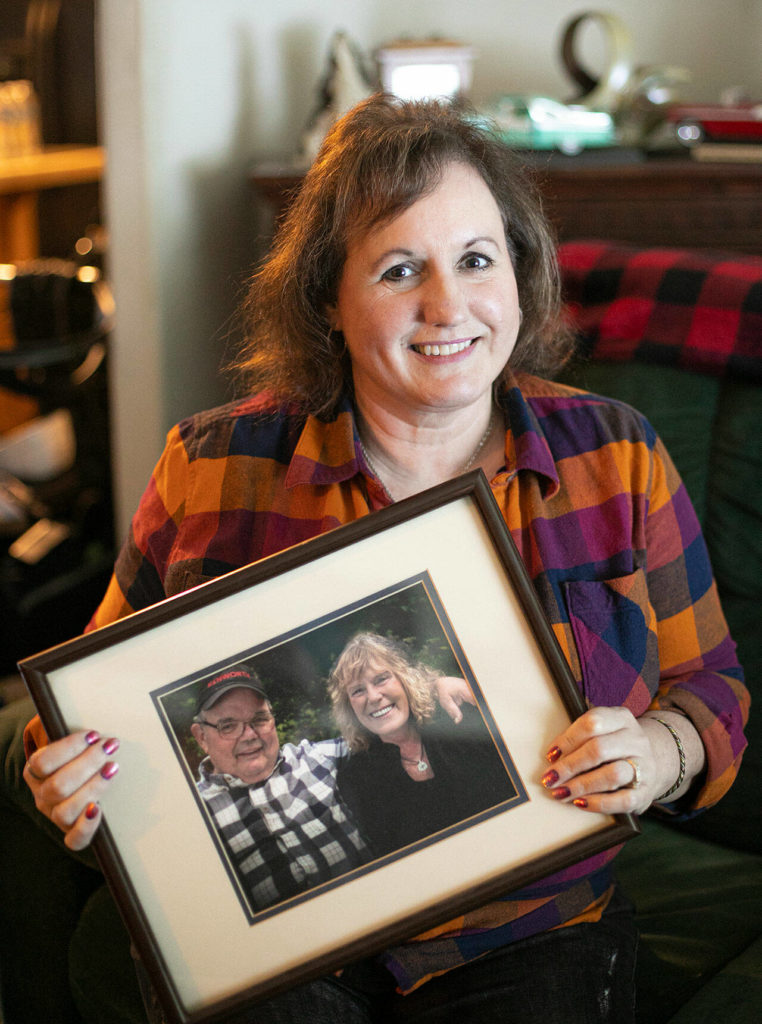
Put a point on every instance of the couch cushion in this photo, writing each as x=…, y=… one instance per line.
x=734, y=996
x=733, y=531
x=699, y=906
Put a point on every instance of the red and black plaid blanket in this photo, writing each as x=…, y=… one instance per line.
x=694, y=309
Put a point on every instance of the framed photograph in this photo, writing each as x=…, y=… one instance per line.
x=333, y=750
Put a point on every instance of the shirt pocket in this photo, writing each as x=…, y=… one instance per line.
x=614, y=629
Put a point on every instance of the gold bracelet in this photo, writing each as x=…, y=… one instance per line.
x=681, y=753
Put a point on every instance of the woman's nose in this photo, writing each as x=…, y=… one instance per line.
x=443, y=300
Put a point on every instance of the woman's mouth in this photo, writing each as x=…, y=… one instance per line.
x=449, y=348
x=382, y=712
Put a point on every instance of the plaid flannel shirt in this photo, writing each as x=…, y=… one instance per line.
x=289, y=833
x=601, y=520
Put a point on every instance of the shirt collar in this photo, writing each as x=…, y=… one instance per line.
x=526, y=447
x=224, y=780
x=329, y=451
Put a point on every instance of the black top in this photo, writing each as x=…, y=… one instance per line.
x=392, y=810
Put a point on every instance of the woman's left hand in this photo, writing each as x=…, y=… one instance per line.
x=609, y=761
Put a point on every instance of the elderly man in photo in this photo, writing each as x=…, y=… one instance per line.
x=274, y=806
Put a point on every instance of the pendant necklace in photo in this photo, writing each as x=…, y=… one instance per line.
x=420, y=762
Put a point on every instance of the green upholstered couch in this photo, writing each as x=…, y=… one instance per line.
x=698, y=887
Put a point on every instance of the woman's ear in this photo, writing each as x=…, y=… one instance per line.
x=332, y=315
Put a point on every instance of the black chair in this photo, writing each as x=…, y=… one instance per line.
x=55, y=562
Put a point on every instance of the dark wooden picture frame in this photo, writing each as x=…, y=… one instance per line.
x=117, y=679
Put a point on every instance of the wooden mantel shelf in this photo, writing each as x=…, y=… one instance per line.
x=53, y=167
x=668, y=201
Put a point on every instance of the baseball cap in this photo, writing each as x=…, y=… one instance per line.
x=223, y=682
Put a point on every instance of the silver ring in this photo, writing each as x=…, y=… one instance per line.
x=635, y=774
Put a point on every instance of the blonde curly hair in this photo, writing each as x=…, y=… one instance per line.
x=367, y=650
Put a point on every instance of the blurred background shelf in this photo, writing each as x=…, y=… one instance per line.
x=661, y=200
x=23, y=178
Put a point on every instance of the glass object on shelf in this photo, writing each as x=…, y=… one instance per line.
x=20, y=133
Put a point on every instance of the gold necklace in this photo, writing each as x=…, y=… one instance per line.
x=474, y=455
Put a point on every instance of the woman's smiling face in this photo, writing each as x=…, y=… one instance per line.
x=428, y=303
x=380, y=702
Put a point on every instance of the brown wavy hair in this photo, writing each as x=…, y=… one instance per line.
x=370, y=649
x=374, y=163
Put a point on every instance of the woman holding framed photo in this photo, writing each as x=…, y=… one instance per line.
x=398, y=331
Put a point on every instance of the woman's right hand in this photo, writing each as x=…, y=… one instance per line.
x=67, y=779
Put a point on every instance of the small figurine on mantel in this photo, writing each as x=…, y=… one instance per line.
x=347, y=81
x=637, y=97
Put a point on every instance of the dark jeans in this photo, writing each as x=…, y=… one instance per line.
x=583, y=974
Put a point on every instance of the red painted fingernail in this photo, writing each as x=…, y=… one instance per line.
x=109, y=770
x=91, y=811
x=561, y=793
x=580, y=802
x=553, y=754
x=549, y=778
x=92, y=737
x=111, y=746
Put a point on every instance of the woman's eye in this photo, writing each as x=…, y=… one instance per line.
x=476, y=261
x=400, y=272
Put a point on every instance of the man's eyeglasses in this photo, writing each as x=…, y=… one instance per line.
x=232, y=728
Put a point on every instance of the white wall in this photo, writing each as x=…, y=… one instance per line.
x=194, y=92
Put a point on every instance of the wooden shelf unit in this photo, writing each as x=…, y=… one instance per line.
x=22, y=178
x=670, y=201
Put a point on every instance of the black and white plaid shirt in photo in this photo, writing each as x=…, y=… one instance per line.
x=289, y=833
